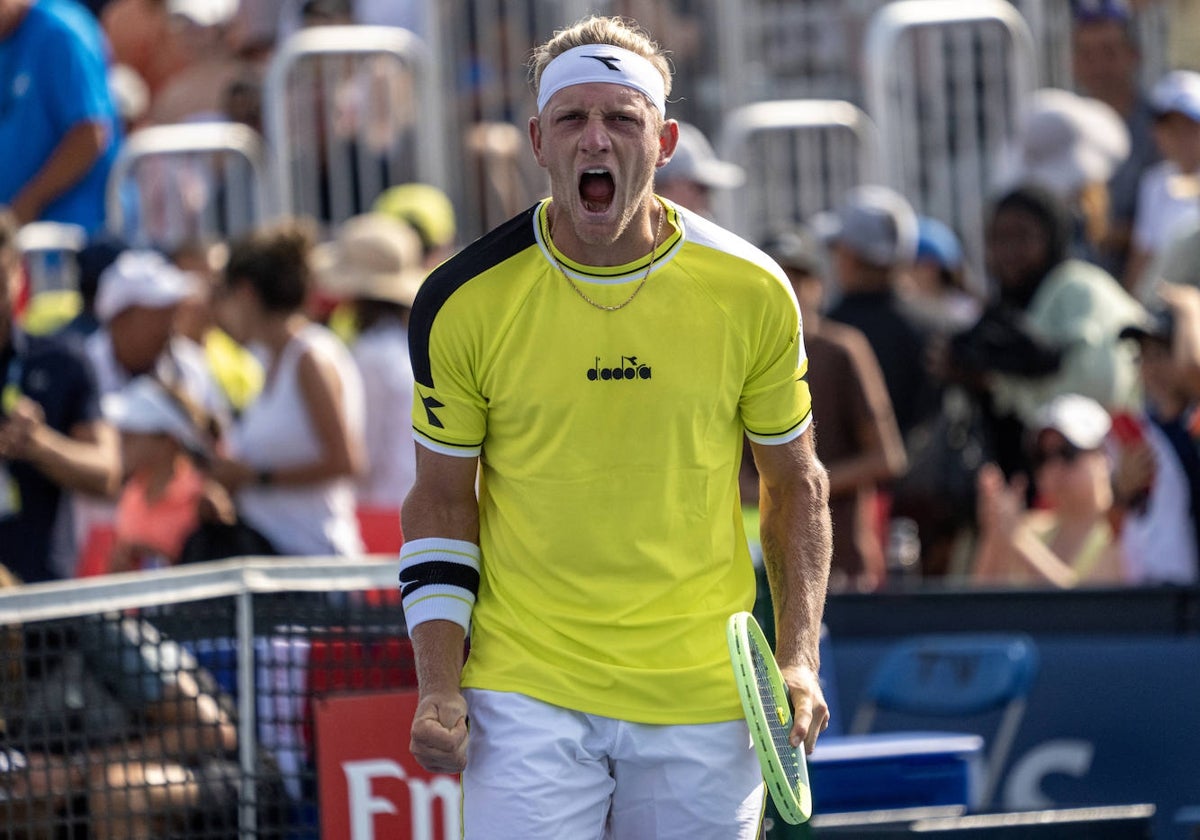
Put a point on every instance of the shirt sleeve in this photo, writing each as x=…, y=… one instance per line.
x=449, y=413
x=776, y=404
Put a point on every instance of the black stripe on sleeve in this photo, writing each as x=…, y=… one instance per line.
x=438, y=572
x=502, y=243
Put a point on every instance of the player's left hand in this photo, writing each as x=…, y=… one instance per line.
x=810, y=712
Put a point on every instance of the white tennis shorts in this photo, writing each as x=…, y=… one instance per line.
x=541, y=772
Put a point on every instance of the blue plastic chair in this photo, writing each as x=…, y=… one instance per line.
x=955, y=676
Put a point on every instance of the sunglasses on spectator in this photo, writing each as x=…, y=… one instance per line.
x=1067, y=453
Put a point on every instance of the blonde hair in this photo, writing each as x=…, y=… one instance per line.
x=613, y=31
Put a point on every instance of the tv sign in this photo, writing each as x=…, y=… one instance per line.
x=369, y=786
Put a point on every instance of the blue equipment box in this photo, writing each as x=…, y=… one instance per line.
x=895, y=770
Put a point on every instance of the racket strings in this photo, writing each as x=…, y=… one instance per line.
x=779, y=719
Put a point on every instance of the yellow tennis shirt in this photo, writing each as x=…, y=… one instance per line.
x=609, y=441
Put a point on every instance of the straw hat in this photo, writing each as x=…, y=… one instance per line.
x=374, y=257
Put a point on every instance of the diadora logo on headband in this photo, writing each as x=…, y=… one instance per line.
x=609, y=61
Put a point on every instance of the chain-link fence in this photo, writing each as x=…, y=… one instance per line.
x=188, y=704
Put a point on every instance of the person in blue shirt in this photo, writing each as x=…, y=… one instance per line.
x=59, y=127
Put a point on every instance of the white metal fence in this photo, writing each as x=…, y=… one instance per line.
x=800, y=156
x=173, y=184
x=947, y=85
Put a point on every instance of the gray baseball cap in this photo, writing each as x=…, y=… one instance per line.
x=695, y=160
x=875, y=223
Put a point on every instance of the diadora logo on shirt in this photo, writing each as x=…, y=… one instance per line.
x=627, y=368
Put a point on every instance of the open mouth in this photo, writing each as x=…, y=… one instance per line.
x=596, y=190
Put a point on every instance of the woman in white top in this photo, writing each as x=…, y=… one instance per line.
x=299, y=446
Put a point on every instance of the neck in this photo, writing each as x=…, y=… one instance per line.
x=640, y=237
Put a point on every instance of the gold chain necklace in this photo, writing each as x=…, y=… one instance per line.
x=662, y=211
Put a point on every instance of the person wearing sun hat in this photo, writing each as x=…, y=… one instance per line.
x=375, y=265
x=1069, y=540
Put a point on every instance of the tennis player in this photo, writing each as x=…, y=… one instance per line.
x=595, y=362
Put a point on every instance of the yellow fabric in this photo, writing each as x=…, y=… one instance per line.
x=1088, y=558
x=612, y=542
x=238, y=373
x=48, y=311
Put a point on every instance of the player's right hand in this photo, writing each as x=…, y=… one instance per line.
x=439, y=733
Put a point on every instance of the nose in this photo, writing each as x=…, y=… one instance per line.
x=595, y=136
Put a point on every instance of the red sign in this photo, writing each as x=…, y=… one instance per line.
x=369, y=786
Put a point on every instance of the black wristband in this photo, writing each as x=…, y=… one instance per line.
x=265, y=478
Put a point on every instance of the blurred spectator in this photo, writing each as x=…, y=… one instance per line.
x=935, y=288
x=1106, y=62
x=298, y=448
x=873, y=237
x=115, y=732
x=1052, y=329
x=52, y=438
x=1178, y=263
x=97, y=255
x=375, y=264
x=945, y=449
x=159, y=505
x=130, y=95
x=1071, y=145
x=694, y=171
x=138, y=298
x=857, y=437
x=1169, y=193
x=1156, y=475
x=58, y=124
x=1070, y=540
x=430, y=213
x=237, y=371
x=196, y=90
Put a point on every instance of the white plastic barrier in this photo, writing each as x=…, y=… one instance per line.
x=172, y=184
x=800, y=156
x=349, y=111
x=947, y=83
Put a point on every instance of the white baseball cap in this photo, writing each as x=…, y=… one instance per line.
x=1178, y=91
x=141, y=278
x=695, y=160
x=1081, y=420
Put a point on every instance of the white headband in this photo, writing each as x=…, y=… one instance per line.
x=602, y=63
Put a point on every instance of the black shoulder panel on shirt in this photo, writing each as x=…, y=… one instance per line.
x=491, y=249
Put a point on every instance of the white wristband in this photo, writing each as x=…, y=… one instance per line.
x=439, y=579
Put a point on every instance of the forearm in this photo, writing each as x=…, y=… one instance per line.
x=872, y=467
x=71, y=159
x=797, y=543
x=90, y=465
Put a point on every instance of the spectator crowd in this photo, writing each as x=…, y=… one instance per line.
x=1039, y=426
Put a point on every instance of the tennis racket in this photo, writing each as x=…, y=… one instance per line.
x=768, y=709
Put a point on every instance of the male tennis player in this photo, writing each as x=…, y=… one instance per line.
x=600, y=357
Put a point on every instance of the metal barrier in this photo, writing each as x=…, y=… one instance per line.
x=349, y=111
x=172, y=184
x=800, y=156
x=119, y=671
x=947, y=83
x=47, y=250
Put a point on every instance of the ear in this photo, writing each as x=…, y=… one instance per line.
x=535, y=140
x=668, y=139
